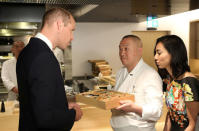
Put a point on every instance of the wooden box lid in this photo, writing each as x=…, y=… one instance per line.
x=102, y=98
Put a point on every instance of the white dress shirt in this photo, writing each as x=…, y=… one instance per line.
x=145, y=83
x=45, y=39
x=8, y=75
x=55, y=51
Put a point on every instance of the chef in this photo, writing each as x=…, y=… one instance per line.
x=143, y=81
x=8, y=72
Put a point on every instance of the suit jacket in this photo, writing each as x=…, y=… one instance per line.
x=42, y=98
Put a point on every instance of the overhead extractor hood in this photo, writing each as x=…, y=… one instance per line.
x=18, y=28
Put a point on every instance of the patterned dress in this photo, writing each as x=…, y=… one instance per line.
x=179, y=92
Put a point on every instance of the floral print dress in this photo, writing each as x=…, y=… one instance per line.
x=178, y=92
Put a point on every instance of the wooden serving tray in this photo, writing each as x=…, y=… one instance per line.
x=102, y=98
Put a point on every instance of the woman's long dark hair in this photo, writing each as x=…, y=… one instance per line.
x=179, y=61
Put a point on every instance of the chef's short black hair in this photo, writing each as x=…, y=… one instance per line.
x=134, y=38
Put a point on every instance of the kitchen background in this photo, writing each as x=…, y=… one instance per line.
x=100, y=26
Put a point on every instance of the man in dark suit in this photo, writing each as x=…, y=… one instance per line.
x=42, y=98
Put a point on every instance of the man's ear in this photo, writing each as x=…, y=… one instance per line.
x=59, y=25
x=140, y=50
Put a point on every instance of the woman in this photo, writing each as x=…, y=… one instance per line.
x=182, y=94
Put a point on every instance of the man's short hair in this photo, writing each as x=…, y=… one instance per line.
x=53, y=14
x=135, y=38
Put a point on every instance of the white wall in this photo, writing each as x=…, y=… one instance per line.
x=97, y=41
x=178, y=24
x=101, y=40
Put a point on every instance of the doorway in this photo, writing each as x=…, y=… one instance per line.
x=149, y=39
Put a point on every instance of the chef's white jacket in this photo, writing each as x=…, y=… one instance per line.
x=8, y=75
x=59, y=54
x=145, y=83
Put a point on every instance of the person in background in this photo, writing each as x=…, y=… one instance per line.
x=138, y=78
x=182, y=93
x=8, y=72
x=42, y=98
x=59, y=54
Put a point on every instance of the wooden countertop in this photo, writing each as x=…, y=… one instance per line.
x=94, y=119
x=9, y=119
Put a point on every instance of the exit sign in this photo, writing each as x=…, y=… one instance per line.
x=152, y=22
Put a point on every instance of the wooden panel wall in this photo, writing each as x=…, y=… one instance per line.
x=149, y=39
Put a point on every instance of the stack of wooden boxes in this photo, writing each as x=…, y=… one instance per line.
x=100, y=66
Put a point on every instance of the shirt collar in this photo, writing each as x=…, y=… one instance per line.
x=137, y=67
x=45, y=39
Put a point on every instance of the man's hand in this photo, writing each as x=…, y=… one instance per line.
x=15, y=90
x=130, y=106
x=126, y=105
x=76, y=107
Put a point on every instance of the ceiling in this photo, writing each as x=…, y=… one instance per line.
x=136, y=10
x=115, y=10
x=13, y=24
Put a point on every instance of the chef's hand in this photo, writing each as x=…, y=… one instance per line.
x=76, y=107
x=130, y=106
x=126, y=105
